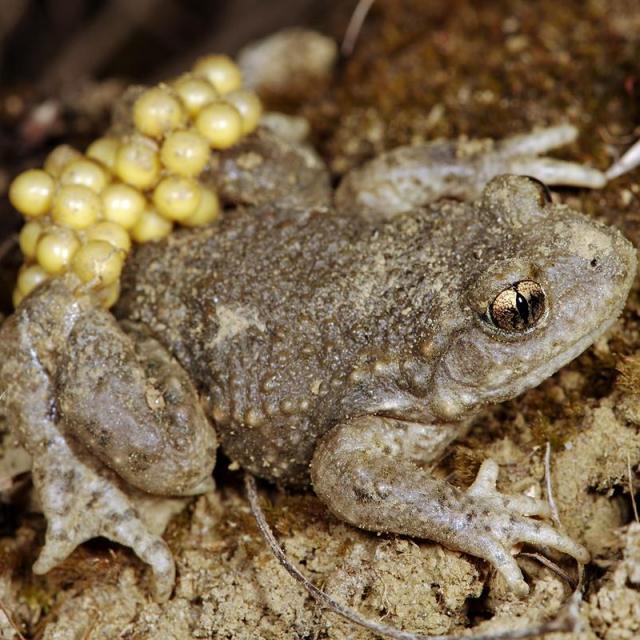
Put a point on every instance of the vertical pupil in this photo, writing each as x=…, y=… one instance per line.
x=522, y=306
x=517, y=308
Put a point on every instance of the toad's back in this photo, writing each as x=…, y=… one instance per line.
x=269, y=313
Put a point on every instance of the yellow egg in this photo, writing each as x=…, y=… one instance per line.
x=104, y=150
x=151, y=227
x=122, y=204
x=221, y=124
x=31, y=193
x=220, y=71
x=59, y=158
x=76, y=206
x=28, y=238
x=109, y=294
x=157, y=112
x=137, y=162
x=185, y=153
x=30, y=277
x=17, y=297
x=85, y=172
x=177, y=198
x=112, y=233
x=249, y=106
x=194, y=92
x=98, y=261
x=208, y=210
x=55, y=249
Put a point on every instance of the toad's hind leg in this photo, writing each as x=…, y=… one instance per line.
x=365, y=478
x=92, y=406
x=412, y=176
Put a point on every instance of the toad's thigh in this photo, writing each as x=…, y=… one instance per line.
x=128, y=401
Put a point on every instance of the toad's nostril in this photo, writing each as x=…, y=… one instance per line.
x=594, y=262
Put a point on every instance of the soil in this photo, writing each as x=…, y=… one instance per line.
x=420, y=71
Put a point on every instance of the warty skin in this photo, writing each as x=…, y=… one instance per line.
x=325, y=346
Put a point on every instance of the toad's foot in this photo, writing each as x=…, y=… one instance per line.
x=356, y=474
x=508, y=524
x=81, y=499
x=409, y=177
x=627, y=162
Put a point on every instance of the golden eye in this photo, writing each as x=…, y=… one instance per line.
x=519, y=307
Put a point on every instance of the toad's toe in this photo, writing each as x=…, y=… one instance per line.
x=484, y=486
x=558, y=172
x=81, y=500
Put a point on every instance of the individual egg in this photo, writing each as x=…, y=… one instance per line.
x=185, y=153
x=221, y=124
x=28, y=238
x=176, y=198
x=207, y=211
x=104, y=150
x=157, y=112
x=59, y=158
x=55, y=249
x=151, y=227
x=220, y=71
x=87, y=173
x=249, y=106
x=75, y=206
x=194, y=92
x=29, y=277
x=17, y=297
x=110, y=232
x=99, y=261
x=137, y=162
x=122, y=204
x=108, y=295
x=31, y=193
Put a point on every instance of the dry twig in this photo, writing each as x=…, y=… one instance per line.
x=555, y=516
x=10, y=619
x=550, y=565
x=354, y=27
x=631, y=489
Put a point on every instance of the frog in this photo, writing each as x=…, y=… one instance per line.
x=338, y=340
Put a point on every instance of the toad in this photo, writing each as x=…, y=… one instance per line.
x=338, y=341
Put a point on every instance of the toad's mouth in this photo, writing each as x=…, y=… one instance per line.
x=536, y=375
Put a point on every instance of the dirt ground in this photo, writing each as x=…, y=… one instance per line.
x=420, y=71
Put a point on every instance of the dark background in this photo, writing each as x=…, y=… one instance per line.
x=47, y=42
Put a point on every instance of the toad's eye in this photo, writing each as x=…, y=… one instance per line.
x=519, y=307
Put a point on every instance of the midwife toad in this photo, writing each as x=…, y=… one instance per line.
x=343, y=347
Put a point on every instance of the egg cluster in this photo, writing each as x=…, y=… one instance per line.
x=84, y=210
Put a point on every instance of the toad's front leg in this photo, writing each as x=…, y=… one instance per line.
x=366, y=479
x=412, y=176
x=100, y=412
